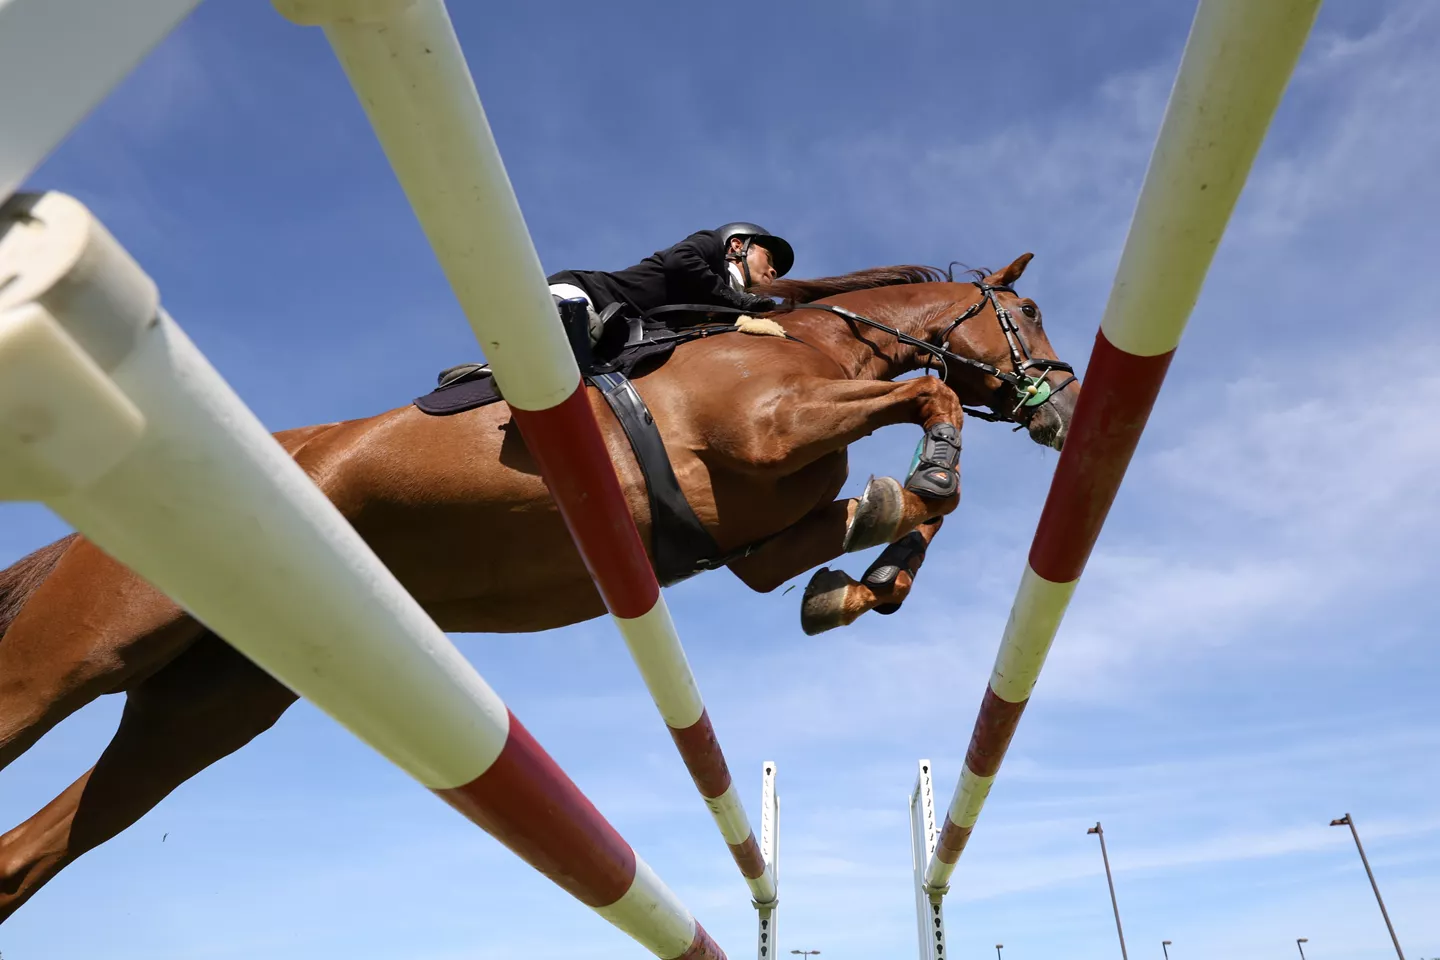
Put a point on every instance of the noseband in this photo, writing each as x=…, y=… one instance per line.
x=1032, y=391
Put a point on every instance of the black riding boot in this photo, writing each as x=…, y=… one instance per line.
x=575, y=317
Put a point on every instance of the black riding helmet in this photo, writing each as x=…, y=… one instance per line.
x=781, y=254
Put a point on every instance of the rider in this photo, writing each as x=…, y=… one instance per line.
x=709, y=267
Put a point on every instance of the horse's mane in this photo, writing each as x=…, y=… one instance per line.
x=23, y=577
x=808, y=291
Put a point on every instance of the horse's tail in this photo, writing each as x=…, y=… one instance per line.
x=22, y=578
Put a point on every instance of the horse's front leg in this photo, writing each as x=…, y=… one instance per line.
x=832, y=599
x=815, y=417
x=821, y=418
x=831, y=530
x=817, y=538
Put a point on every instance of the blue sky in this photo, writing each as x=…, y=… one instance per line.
x=1250, y=654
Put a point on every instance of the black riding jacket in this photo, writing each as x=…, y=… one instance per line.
x=692, y=271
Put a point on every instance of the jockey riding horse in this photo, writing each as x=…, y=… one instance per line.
x=710, y=267
x=718, y=268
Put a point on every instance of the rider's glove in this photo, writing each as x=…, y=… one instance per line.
x=757, y=304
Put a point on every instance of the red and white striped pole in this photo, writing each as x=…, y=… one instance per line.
x=110, y=415
x=1236, y=64
x=406, y=66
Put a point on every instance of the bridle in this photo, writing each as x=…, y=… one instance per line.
x=1031, y=391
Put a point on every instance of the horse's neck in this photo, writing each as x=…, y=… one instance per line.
x=862, y=351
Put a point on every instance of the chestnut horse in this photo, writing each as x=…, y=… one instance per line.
x=757, y=429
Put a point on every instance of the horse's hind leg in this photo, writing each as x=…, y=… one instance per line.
x=92, y=627
x=199, y=708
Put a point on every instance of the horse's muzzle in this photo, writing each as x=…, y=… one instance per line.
x=1050, y=425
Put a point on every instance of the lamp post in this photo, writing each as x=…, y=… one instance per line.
x=1347, y=821
x=1165, y=945
x=807, y=953
x=1299, y=945
x=1100, y=832
x=998, y=948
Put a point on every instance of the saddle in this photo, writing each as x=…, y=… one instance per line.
x=628, y=347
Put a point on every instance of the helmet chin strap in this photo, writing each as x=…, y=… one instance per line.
x=742, y=258
x=737, y=279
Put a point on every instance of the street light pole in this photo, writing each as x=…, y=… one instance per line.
x=1298, y=942
x=807, y=953
x=997, y=950
x=1100, y=832
x=1165, y=945
x=1348, y=821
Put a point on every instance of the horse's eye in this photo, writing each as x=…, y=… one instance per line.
x=1029, y=310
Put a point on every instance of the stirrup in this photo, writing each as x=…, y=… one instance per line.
x=935, y=471
x=461, y=373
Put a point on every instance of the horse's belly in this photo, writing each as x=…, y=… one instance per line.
x=456, y=508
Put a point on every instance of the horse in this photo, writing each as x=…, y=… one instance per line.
x=756, y=428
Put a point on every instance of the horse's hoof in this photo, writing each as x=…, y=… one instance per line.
x=823, y=606
x=877, y=515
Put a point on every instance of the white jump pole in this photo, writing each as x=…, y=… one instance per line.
x=58, y=59
x=1236, y=64
x=110, y=415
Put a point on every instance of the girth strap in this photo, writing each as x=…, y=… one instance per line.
x=681, y=545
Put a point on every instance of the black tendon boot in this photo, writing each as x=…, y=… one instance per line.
x=936, y=472
x=905, y=554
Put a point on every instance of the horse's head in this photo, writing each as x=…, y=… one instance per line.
x=982, y=337
x=1000, y=358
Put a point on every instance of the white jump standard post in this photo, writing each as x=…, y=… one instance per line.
x=1237, y=61
x=407, y=68
x=929, y=910
x=770, y=849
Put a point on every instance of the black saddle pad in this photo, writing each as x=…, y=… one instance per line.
x=477, y=391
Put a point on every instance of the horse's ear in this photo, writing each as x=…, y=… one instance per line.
x=1008, y=276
